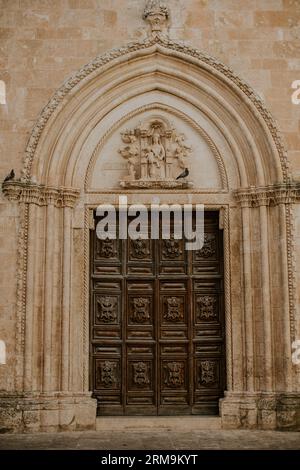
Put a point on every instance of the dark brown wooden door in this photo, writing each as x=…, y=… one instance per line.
x=157, y=325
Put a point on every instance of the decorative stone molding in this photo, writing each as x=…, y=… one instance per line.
x=30, y=193
x=273, y=195
x=160, y=42
x=156, y=13
x=290, y=228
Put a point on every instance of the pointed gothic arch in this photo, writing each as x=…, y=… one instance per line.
x=174, y=69
x=56, y=202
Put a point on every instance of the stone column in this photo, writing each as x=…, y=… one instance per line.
x=30, y=297
x=47, y=324
x=248, y=314
x=265, y=275
x=44, y=399
x=65, y=333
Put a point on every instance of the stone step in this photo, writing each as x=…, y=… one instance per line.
x=182, y=423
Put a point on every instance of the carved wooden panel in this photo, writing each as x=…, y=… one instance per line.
x=209, y=249
x=106, y=249
x=107, y=374
x=140, y=310
x=157, y=325
x=206, y=308
x=107, y=309
x=140, y=250
x=174, y=375
x=173, y=310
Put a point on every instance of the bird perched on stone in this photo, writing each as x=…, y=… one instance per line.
x=9, y=177
x=184, y=174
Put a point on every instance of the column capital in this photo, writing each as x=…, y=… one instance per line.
x=40, y=195
x=272, y=195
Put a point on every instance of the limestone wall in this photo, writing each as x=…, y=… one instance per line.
x=43, y=41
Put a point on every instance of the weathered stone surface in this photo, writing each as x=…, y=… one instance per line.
x=236, y=162
x=135, y=437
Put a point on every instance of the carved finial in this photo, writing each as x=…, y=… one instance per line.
x=156, y=13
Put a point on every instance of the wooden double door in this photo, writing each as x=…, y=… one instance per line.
x=157, y=325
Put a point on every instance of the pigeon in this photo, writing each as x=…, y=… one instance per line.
x=184, y=174
x=10, y=176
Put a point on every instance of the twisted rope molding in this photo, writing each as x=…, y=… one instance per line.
x=172, y=110
x=85, y=299
x=228, y=314
x=165, y=42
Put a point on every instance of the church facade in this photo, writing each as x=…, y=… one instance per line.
x=185, y=103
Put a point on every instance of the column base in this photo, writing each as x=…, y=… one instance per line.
x=51, y=412
x=261, y=410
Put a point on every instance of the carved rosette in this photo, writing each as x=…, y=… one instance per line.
x=155, y=154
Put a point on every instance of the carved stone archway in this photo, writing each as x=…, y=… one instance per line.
x=56, y=200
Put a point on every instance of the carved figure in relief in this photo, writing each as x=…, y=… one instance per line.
x=155, y=155
x=182, y=151
x=130, y=152
x=159, y=153
x=156, y=13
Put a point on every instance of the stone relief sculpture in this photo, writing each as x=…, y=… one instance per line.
x=130, y=152
x=157, y=14
x=156, y=154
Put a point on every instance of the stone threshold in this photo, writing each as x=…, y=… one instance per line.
x=172, y=423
